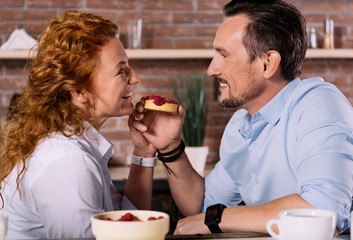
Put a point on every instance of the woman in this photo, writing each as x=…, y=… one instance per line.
x=53, y=161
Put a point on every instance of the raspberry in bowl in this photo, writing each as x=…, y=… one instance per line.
x=130, y=225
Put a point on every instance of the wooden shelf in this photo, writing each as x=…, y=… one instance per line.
x=132, y=54
x=170, y=53
x=13, y=54
x=339, y=53
x=175, y=54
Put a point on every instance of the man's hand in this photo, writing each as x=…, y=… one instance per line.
x=192, y=225
x=161, y=129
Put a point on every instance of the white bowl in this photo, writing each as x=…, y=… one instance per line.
x=142, y=230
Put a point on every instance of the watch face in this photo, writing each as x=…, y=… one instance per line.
x=213, y=213
x=213, y=217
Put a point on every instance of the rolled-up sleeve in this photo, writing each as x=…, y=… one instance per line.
x=326, y=186
x=220, y=188
x=325, y=155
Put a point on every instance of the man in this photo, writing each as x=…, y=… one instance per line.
x=288, y=146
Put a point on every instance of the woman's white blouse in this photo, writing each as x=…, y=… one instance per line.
x=66, y=182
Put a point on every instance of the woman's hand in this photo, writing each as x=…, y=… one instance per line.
x=142, y=147
x=161, y=129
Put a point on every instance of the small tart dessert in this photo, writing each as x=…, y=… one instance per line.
x=163, y=104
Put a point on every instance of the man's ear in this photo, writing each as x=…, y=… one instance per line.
x=271, y=62
x=79, y=95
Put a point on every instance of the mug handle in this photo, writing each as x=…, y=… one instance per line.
x=269, y=228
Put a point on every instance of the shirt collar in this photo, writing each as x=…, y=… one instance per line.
x=101, y=147
x=273, y=110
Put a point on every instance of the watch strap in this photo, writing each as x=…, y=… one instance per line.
x=212, y=223
x=142, y=161
x=214, y=228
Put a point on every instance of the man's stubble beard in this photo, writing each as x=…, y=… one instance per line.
x=251, y=92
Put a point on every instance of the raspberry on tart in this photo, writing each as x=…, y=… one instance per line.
x=163, y=104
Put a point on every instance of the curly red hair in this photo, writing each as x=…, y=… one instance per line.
x=66, y=58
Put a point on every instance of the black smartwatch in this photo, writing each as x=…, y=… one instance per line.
x=213, y=217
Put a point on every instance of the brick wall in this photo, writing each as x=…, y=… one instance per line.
x=170, y=24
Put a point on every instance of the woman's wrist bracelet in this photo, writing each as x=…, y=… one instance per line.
x=142, y=161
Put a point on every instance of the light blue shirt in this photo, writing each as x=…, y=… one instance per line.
x=300, y=142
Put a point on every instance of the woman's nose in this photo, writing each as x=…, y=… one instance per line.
x=133, y=78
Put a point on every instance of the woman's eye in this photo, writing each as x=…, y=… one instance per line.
x=121, y=71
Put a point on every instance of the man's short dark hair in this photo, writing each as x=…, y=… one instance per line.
x=274, y=25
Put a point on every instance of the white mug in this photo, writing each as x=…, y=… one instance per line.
x=3, y=225
x=303, y=224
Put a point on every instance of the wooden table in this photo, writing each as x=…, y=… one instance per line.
x=119, y=173
x=236, y=236
x=221, y=236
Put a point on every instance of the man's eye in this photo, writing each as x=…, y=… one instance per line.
x=223, y=55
